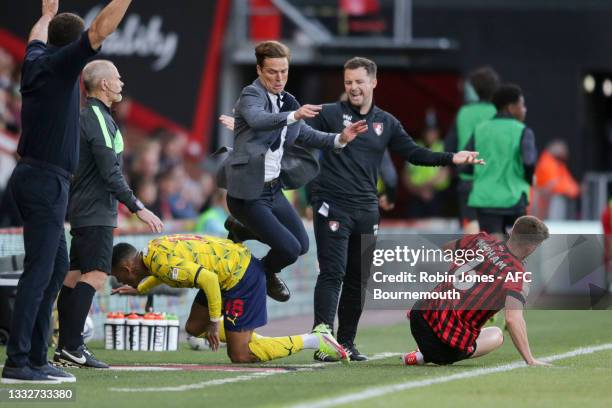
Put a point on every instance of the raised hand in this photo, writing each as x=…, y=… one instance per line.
x=351, y=131
x=49, y=7
x=307, y=111
x=465, y=157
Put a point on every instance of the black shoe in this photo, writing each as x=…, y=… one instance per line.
x=55, y=373
x=354, y=354
x=325, y=358
x=276, y=288
x=25, y=375
x=81, y=357
x=236, y=231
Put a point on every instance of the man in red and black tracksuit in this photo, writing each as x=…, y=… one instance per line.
x=450, y=330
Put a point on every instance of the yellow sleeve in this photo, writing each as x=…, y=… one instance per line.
x=209, y=282
x=147, y=284
x=183, y=273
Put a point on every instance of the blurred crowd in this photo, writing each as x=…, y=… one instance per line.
x=179, y=186
x=10, y=108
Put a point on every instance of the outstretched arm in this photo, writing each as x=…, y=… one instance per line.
x=518, y=330
x=404, y=145
x=310, y=137
x=107, y=21
x=41, y=28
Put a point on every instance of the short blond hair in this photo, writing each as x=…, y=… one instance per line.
x=529, y=230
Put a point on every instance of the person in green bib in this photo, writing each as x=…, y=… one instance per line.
x=480, y=87
x=500, y=190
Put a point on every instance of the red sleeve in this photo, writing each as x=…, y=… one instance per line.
x=514, y=282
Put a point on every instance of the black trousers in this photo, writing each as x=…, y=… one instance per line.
x=42, y=198
x=496, y=223
x=345, y=263
x=274, y=220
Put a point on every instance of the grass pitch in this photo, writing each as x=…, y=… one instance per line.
x=576, y=381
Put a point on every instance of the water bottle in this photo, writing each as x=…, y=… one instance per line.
x=119, y=331
x=147, y=329
x=173, y=332
x=133, y=332
x=159, y=343
x=109, y=329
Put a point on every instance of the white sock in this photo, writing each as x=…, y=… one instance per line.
x=420, y=358
x=311, y=341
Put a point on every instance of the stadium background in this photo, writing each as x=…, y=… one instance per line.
x=182, y=69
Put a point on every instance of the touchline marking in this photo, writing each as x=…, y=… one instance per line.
x=241, y=378
x=200, y=385
x=389, y=389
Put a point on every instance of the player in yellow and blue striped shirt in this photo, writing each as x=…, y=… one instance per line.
x=227, y=275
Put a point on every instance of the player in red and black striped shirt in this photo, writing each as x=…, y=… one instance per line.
x=450, y=330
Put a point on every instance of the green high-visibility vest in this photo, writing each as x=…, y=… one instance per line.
x=420, y=175
x=470, y=116
x=501, y=182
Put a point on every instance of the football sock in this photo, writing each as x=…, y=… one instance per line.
x=63, y=314
x=419, y=357
x=270, y=348
x=81, y=298
x=311, y=341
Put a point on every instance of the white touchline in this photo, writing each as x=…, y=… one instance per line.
x=388, y=389
x=240, y=378
x=199, y=385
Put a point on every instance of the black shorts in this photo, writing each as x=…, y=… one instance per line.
x=433, y=349
x=496, y=223
x=466, y=214
x=91, y=249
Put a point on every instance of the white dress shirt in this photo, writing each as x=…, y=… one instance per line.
x=273, y=158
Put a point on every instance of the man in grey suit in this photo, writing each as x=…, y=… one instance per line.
x=268, y=155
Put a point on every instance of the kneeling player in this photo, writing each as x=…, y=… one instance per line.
x=447, y=331
x=226, y=273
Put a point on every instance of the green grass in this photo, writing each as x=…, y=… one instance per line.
x=582, y=381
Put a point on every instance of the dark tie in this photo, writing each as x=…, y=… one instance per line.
x=274, y=146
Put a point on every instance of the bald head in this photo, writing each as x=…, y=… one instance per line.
x=95, y=71
x=102, y=80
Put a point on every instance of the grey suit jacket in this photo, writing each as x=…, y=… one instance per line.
x=256, y=127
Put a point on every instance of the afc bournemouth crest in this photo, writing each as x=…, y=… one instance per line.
x=378, y=128
x=347, y=120
x=334, y=225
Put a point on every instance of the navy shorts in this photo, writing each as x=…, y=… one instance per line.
x=244, y=305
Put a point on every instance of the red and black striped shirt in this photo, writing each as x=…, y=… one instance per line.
x=457, y=322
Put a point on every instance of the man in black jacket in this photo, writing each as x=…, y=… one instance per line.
x=97, y=186
x=345, y=203
x=57, y=51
